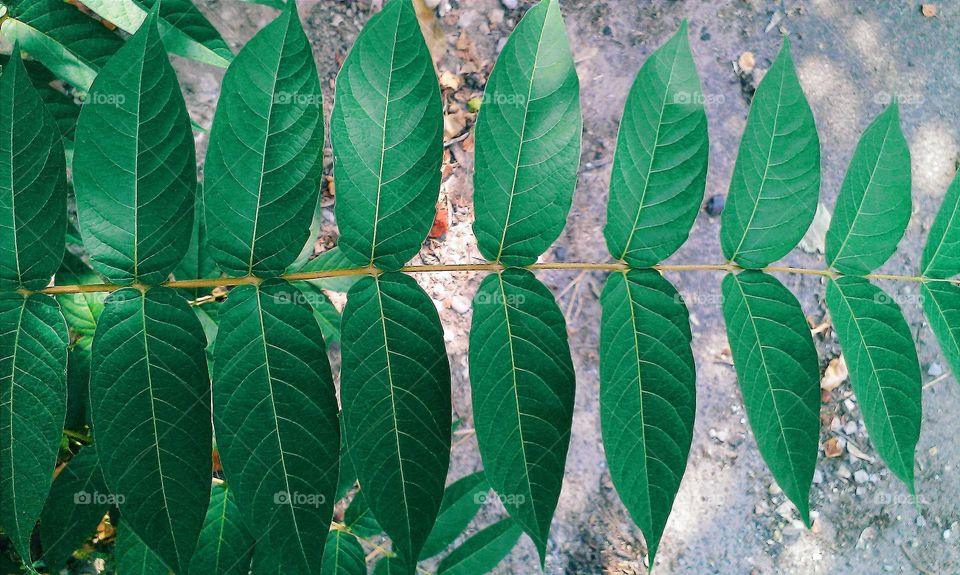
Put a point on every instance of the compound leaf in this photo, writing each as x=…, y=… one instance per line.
x=67, y=41
x=33, y=404
x=483, y=551
x=185, y=30
x=462, y=500
x=523, y=386
x=135, y=165
x=343, y=555
x=263, y=167
x=387, y=135
x=395, y=389
x=884, y=369
x=873, y=206
x=276, y=421
x=77, y=503
x=647, y=395
x=528, y=141
x=33, y=183
x=225, y=546
x=941, y=254
x=660, y=166
x=779, y=376
x=150, y=405
x=776, y=179
x=941, y=302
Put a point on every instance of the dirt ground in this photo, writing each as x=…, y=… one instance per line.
x=729, y=517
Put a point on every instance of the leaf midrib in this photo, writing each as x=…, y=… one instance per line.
x=643, y=423
x=13, y=384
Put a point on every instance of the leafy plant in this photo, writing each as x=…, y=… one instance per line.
x=139, y=444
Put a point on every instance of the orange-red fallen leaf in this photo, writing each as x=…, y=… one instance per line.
x=832, y=447
x=105, y=531
x=217, y=468
x=441, y=222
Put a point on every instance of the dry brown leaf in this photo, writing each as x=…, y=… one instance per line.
x=832, y=447
x=454, y=122
x=835, y=374
x=450, y=81
x=441, y=222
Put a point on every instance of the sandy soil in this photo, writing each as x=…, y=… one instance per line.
x=729, y=517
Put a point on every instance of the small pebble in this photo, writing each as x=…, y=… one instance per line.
x=947, y=535
x=715, y=205
x=432, y=4
x=935, y=370
x=510, y=4
x=818, y=477
x=460, y=304
x=850, y=428
x=861, y=476
x=844, y=472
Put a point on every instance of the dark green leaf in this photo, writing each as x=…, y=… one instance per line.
x=276, y=421
x=348, y=477
x=197, y=263
x=324, y=311
x=528, y=141
x=135, y=167
x=395, y=389
x=873, y=207
x=387, y=134
x=776, y=179
x=647, y=395
x=523, y=387
x=62, y=107
x=343, y=555
x=68, y=42
x=461, y=502
x=185, y=30
x=779, y=376
x=393, y=566
x=33, y=403
x=483, y=551
x=941, y=302
x=359, y=519
x=78, y=385
x=78, y=501
x=150, y=402
x=133, y=557
x=884, y=369
x=225, y=547
x=660, y=166
x=33, y=183
x=81, y=310
x=263, y=167
x=941, y=255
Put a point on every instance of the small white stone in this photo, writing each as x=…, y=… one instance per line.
x=850, y=428
x=861, y=476
x=432, y=4
x=510, y=4
x=460, y=304
x=818, y=477
x=844, y=472
x=935, y=370
x=947, y=534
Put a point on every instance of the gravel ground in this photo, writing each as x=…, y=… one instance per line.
x=729, y=516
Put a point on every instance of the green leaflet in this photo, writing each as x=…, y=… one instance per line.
x=393, y=566
x=462, y=500
x=133, y=557
x=395, y=390
x=185, y=30
x=68, y=42
x=324, y=311
x=941, y=255
x=779, y=374
x=150, y=404
x=647, y=395
x=78, y=385
x=135, y=167
x=33, y=184
x=77, y=503
x=660, y=166
x=776, y=179
x=527, y=141
x=873, y=206
x=387, y=135
x=523, y=387
x=81, y=310
x=61, y=106
x=348, y=477
x=263, y=167
x=225, y=546
x=33, y=403
x=197, y=263
x=359, y=519
x=343, y=555
x=884, y=369
x=483, y=551
x=941, y=303
x=276, y=421
x=330, y=260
